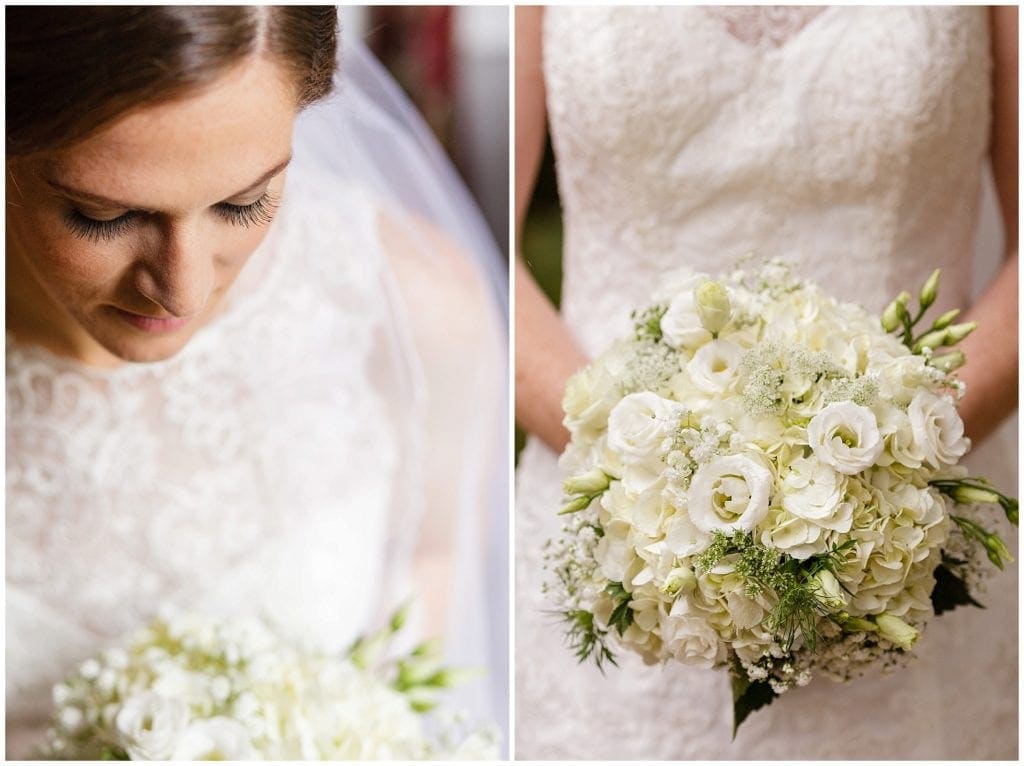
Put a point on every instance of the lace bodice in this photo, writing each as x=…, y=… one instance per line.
x=832, y=136
x=252, y=472
x=849, y=140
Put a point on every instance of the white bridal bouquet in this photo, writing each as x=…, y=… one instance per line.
x=764, y=479
x=193, y=688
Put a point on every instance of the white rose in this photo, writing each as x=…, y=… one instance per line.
x=938, y=429
x=638, y=431
x=846, y=436
x=692, y=641
x=215, y=739
x=714, y=366
x=589, y=396
x=730, y=493
x=150, y=726
x=681, y=326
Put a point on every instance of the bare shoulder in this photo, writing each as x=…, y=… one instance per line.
x=425, y=259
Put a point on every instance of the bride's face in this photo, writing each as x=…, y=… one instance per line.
x=121, y=247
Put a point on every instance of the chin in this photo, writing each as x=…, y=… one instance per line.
x=142, y=350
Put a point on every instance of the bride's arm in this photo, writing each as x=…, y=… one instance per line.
x=458, y=341
x=546, y=353
x=991, y=369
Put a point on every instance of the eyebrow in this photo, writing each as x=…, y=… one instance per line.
x=100, y=199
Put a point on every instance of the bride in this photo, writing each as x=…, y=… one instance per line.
x=851, y=140
x=247, y=300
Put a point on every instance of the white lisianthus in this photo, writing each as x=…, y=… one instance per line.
x=730, y=494
x=679, y=580
x=828, y=590
x=150, y=726
x=714, y=366
x=713, y=307
x=214, y=739
x=594, y=480
x=846, y=436
x=938, y=429
x=897, y=631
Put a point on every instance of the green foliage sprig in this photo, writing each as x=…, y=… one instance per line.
x=800, y=602
x=586, y=638
x=420, y=675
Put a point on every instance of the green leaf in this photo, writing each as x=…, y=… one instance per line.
x=622, y=616
x=950, y=591
x=748, y=696
x=616, y=590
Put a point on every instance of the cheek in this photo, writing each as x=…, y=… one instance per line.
x=66, y=264
x=234, y=248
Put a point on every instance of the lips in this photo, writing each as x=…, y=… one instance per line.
x=151, y=324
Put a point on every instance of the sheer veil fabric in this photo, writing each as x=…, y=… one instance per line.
x=852, y=141
x=310, y=455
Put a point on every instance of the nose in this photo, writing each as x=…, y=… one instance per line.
x=178, y=272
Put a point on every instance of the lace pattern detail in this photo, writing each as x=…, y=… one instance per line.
x=850, y=141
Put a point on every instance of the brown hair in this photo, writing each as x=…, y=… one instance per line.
x=72, y=70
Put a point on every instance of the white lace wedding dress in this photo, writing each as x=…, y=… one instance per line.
x=261, y=470
x=851, y=140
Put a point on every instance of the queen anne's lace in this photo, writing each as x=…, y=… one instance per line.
x=251, y=472
x=849, y=140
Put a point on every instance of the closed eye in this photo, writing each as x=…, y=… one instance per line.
x=258, y=213
x=96, y=230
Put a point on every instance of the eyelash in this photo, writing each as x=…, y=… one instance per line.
x=258, y=213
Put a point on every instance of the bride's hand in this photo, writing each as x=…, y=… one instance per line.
x=991, y=351
x=546, y=353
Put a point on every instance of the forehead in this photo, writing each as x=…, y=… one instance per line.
x=196, y=149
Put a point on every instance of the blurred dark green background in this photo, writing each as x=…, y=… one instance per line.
x=542, y=241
